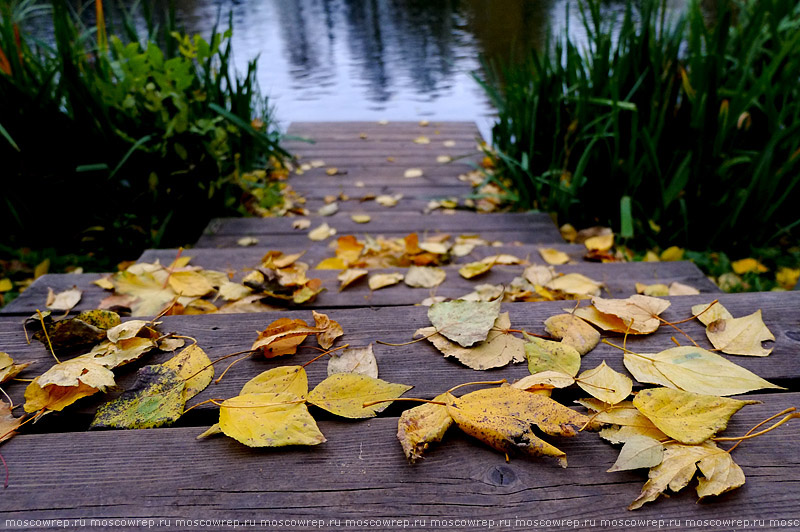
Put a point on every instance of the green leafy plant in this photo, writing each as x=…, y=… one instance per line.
x=675, y=130
x=116, y=141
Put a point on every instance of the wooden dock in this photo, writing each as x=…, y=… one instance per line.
x=359, y=479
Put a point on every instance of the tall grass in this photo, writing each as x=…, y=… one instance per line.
x=112, y=140
x=672, y=130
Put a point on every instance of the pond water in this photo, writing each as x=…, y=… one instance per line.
x=380, y=59
x=323, y=60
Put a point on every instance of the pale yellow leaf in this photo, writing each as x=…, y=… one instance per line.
x=638, y=452
x=63, y=301
x=605, y=384
x=424, y=276
x=740, y=336
x=361, y=218
x=497, y=350
x=359, y=360
x=546, y=355
x=575, y=284
x=537, y=274
x=687, y=417
x=695, y=370
x=322, y=232
x=712, y=314
x=350, y=276
x=283, y=379
x=269, y=420
x=473, y=269
x=599, y=243
x=344, y=394
x=412, y=173
x=573, y=331
x=638, y=312
x=553, y=256
x=382, y=280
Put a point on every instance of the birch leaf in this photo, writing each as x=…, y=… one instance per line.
x=321, y=233
x=268, y=420
x=344, y=394
x=537, y=274
x=605, y=384
x=424, y=276
x=422, y=425
x=740, y=336
x=675, y=471
x=359, y=360
x=708, y=315
x=283, y=379
x=474, y=269
x=546, y=355
x=544, y=380
x=9, y=423
x=503, y=418
x=282, y=337
x=464, y=322
x=720, y=474
x=638, y=311
x=575, y=284
x=382, y=280
x=638, y=452
x=9, y=370
x=695, y=370
x=689, y=418
x=157, y=398
x=192, y=366
x=499, y=348
x=553, y=256
x=329, y=330
x=572, y=331
x=63, y=301
x=349, y=276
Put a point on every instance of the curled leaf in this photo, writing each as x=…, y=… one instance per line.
x=422, y=425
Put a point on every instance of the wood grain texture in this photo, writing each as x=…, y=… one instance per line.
x=420, y=363
x=398, y=221
x=360, y=473
x=619, y=281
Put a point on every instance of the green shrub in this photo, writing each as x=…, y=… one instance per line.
x=679, y=131
x=114, y=142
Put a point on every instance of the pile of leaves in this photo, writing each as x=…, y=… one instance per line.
x=669, y=429
x=146, y=289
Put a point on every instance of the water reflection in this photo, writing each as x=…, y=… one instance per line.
x=374, y=59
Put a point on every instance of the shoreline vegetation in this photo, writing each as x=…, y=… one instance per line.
x=681, y=132
x=116, y=138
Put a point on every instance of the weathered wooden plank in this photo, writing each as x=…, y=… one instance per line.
x=546, y=237
x=319, y=189
x=619, y=281
x=359, y=479
x=387, y=174
x=420, y=364
x=374, y=128
x=403, y=221
x=241, y=258
x=449, y=146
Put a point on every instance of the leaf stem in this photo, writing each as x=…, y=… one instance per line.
x=325, y=353
x=412, y=399
x=47, y=336
x=451, y=390
x=790, y=414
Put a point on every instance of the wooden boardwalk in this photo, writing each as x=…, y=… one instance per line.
x=359, y=479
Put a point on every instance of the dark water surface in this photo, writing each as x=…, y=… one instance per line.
x=323, y=60
x=380, y=59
